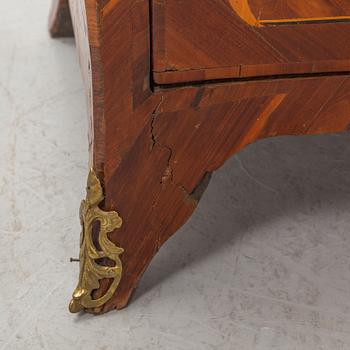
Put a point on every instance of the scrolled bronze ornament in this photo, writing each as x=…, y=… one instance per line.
x=96, y=247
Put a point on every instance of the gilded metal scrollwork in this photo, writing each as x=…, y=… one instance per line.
x=94, y=250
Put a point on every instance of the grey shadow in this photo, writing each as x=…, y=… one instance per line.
x=273, y=177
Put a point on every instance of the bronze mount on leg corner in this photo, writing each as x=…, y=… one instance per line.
x=99, y=257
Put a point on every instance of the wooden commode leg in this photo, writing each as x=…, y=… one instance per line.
x=60, y=21
x=153, y=148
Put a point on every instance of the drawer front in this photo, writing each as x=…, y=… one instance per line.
x=197, y=40
x=265, y=12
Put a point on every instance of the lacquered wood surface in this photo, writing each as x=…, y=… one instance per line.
x=154, y=148
x=289, y=9
x=211, y=39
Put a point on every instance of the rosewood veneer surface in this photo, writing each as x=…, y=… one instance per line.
x=197, y=40
x=175, y=88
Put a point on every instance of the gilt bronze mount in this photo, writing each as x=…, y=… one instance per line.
x=99, y=257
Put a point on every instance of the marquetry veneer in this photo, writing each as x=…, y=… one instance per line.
x=175, y=88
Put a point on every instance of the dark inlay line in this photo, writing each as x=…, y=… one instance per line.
x=249, y=79
x=288, y=22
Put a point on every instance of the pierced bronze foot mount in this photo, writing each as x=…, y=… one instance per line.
x=156, y=132
x=97, y=252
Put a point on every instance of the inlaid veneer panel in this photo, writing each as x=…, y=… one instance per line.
x=215, y=39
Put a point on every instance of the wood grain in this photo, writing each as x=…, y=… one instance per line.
x=208, y=39
x=293, y=9
x=60, y=21
x=155, y=147
x=261, y=12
